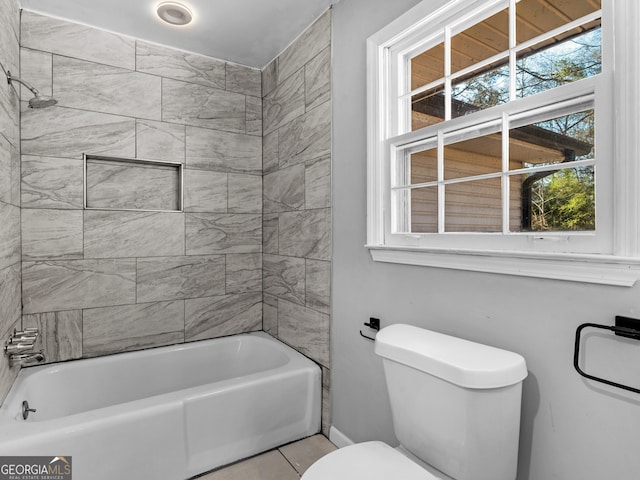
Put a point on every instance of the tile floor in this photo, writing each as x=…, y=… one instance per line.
x=288, y=462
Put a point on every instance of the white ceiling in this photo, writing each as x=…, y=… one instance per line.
x=249, y=32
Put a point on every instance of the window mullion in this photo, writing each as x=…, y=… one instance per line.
x=506, y=180
x=512, y=50
x=447, y=73
x=441, y=186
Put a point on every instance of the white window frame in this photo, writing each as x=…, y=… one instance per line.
x=619, y=262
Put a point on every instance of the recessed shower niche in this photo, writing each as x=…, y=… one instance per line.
x=113, y=183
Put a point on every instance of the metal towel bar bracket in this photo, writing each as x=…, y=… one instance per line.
x=624, y=327
x=374, y=324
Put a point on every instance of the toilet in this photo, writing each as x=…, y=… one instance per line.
x=456, y=412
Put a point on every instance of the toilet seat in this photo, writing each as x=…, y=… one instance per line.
x=366, y=461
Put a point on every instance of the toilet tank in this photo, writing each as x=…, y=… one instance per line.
x=455, y=403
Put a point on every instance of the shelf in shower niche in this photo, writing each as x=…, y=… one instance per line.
x=114, y=183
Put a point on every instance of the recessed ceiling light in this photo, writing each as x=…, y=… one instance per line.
x=174, y=13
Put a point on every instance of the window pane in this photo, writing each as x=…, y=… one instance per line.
x=562, y=200
x=480, y=42
x=424, y=166
x=427, y=67
x=562, y=139
x=427, y=108
x=483, y=89
x=476, y=156
x=424, y=210
x=474, y=206
x=535, y=17
x=547, y=66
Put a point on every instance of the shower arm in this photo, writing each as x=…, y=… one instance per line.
x=11, y=79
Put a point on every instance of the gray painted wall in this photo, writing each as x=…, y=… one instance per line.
x=571, y=428
x=10, y=276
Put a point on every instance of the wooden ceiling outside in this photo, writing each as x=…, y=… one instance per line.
x=491, y=36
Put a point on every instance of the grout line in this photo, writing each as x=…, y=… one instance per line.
x=289, y=462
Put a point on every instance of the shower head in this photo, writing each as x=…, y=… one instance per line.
x=38, y=101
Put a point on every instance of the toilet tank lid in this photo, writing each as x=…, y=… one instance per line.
x=461, y=362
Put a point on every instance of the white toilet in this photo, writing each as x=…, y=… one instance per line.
x=455, y=407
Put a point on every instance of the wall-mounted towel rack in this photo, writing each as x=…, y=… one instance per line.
x=373, y=324
x=624, y=327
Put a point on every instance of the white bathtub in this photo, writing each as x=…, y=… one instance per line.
x=165, y=413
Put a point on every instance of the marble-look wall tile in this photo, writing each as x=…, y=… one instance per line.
x=175, y=278
x=270, y=233
x=49, y=182
x=51, y=234
x=305, y=234
x=160, y=141
x=113, y=234
x=60, y=336
x=270, y=77
x=9, y=173
x=284, y=190
x=68, y=133
x=9, y=235
x=317, y=183
x=52, y=286
x=254, y=116
x=180, y=65
x=205, y=191
x=222, y=315
x=74, y=40
x=132, y=327
x=284, y=277
x=10, y=113
x=10, y=301
x=243, y=79
x=270, y=153
x=101, y=88
x=306, y=137
x=270, y=314
x=284, y=103
x=8, y=374
x=223, y=151
x=312, y=41
x=317, y=79
x=132, y=186
x=318, y=285
x=245, y=193
x=304, y=329
x=326, y=401
x=37, y=67
x=212, y=233
x=201, y=106
x=244, y=272
x=9, y=34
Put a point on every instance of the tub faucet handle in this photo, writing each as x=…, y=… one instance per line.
x=18, y=347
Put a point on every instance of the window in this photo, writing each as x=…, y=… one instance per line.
x=491, y=139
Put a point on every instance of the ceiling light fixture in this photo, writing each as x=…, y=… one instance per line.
x=174, y=13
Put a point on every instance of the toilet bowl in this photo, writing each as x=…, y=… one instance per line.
x=368, y=461
x=455, y=407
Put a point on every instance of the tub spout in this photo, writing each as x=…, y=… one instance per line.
x=26, y=359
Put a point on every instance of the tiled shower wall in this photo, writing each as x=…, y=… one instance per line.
x=103, y=281
x=9, y=186
x=296, y=92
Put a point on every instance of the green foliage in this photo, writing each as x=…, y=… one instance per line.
x=564, y=201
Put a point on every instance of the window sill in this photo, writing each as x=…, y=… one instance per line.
x=597, y=269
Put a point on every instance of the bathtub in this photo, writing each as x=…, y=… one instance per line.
x=165, y=413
